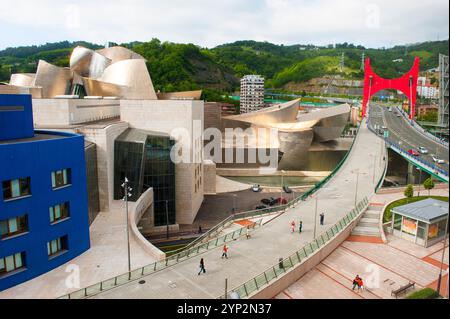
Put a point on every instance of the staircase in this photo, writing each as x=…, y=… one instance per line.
x=368, y=225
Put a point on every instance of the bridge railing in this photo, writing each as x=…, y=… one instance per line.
x=159, y=265
x=271, y=274
x=391, y=143
x=420, y=129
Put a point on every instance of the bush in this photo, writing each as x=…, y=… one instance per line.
x=409, y=192
x=426, y=293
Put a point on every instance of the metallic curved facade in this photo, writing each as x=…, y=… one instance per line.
x=88, y=63
x=295, y=132
x=23, y=79
x=133, y=75
x=116, y=54
x=53, y=79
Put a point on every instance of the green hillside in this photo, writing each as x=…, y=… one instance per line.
x=176, y=67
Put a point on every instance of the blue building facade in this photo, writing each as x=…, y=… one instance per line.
x=43, y=199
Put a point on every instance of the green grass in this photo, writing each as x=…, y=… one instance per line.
x=387, y=216
x=426, y=293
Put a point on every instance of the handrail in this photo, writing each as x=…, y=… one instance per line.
x=433, y=169
x=420, y=129
x=270, y=274
x=157, y=266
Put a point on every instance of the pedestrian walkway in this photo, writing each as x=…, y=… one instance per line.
x=248, y=258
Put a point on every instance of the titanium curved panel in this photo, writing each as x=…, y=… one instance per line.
x=98, y=88
x=22, y=79
x=88, y=63
x=53, y=79
x=330, y=122
x=281, y=113
x=185, y=95
x=116, y=54
x=134, y=75
x=294, y=147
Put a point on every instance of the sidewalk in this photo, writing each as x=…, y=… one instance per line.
x=106, y=258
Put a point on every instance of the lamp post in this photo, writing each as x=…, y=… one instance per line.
x=420, y=180
x=282, y=184
x=127, y=194
x=438, y=289
x=234, y=203
x=167, y=219
x=315, y=217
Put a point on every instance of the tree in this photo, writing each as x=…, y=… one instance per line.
x=428, y=184
x=409, y=192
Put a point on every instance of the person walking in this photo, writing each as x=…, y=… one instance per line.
x=200, y=229
x=225, y=251
x=355, y=282
x=202, y=267
x=360, y=284
x=292, y=226
x=247, y=234
x=300, y=226
x=322, y=218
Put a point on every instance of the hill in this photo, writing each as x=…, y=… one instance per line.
x=177, y=67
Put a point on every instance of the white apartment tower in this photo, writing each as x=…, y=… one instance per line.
x=252, y=93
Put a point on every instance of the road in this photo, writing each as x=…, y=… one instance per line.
x=402, y=133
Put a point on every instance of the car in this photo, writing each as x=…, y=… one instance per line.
x=282, y=201
x=256, y=188
x=413, y=152
x=423, y=150
x=390, y=109
x=437, y=159
x=269, y=201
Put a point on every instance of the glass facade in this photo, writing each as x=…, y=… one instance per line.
x=144, y=158
x=11, y=263
x=90, y=154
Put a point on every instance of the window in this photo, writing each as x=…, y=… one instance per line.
x=59, y=212
x=13, y=226
x=61, y=178
x=16, y=188
x=12, y=263
x=57, y=246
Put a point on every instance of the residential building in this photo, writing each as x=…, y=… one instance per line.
x=44, y=220
x=252, y=93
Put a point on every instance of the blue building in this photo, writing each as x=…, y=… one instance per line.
x=43, y=199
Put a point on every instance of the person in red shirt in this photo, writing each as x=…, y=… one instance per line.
x=225, y=251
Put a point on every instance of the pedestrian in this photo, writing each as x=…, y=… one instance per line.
x=225, y=251
x=292, y=226
x=202, y=267
x=360, y=284
x=247, y=234
x=322, y=218
x=300, y=226
x=200, y=229
x=355, y=282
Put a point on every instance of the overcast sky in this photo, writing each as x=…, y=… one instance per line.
x=372, y=23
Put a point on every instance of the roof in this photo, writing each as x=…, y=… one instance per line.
x=138, y=136
x=426, y=210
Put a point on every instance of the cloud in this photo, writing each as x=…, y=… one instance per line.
x=373, y=23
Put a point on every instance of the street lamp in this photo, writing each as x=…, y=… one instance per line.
x=420, y=179
x=438, y=288
x=356, y=185
x=167, y=219
x=126, y=191
x=234, y=203
x=282, y=184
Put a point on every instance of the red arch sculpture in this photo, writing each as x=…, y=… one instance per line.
x=406, y=84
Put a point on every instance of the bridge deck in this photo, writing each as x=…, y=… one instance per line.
x=248, y=258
